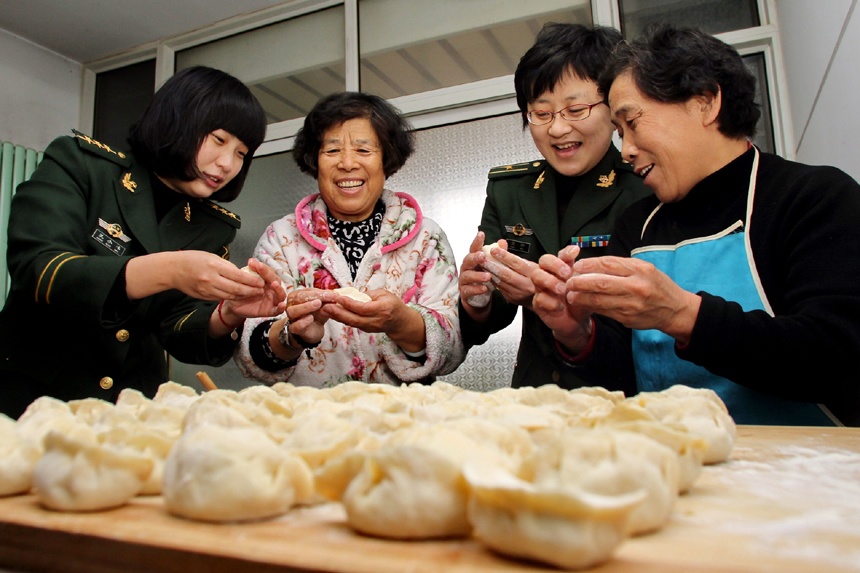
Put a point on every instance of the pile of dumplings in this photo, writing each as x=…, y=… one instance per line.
x=557, y=476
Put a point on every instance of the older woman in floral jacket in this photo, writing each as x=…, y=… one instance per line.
x=399, y=322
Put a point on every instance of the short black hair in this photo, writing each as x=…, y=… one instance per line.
x=558, y=50
x=672, y=65
x=184, y=111
x=393, y=131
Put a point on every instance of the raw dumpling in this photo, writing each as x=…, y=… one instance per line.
x=410, y=488
x=76, y=473
x=610, y=462
x=353, y=293
x=18, y=457
x=232, y=474
x=700, y=411
x=559, y=524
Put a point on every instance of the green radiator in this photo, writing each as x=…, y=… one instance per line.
x=17, y=163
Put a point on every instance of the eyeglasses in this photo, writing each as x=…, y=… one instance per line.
x=572, y=113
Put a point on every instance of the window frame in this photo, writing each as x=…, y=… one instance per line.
x=465, y=102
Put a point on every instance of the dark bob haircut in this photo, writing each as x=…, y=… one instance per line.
x=189, y=106
x=393, y=131
x=672, y=65
x=558, y=50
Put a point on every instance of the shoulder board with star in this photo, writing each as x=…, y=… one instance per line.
x=517, y=169
x=221, y=213
x=89, y=144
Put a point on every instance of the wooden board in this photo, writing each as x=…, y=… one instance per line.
x=789, y=500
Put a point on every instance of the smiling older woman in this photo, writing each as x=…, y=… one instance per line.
x=355, y=233
x=741, y=273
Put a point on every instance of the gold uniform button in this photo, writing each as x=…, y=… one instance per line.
x=122, y=335
x=106, y=383
x=555, y=376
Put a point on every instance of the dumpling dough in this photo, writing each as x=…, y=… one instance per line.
x=232, y=474
x=700, y=411
x=559, y=524
x=488, y=248
x=353, y=293
x=411, y=488
x=610, y=462
x=17, y=459
x=76, y=473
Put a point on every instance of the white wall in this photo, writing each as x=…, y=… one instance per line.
x=40, y=93
x=821, y=46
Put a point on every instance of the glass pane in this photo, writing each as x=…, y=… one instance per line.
x=764, y=131
x=287, y=65
x=121, y=98
x=410, y=47
x=712, y=16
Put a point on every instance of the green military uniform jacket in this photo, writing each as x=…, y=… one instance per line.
x=521, y=208
x=67, y=329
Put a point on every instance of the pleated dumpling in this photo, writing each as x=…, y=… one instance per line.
x=700, y=411
x=77, y=473
x=610, y=462
x=556, y=523
x=410, y=488
x=18, y=457
x=215, y=473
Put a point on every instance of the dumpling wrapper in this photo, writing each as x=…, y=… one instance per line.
x=610, y=462
x=18, y=458
x=353, y=293
x=410, y=488
x=561, y=525
x=76, y=473
x=700, y=410
x=232, y=474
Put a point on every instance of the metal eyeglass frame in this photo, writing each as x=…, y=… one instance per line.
x=586, y=107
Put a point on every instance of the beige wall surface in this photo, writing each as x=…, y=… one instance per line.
x=40, y=93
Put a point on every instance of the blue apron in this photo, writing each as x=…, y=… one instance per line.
x=721, y=265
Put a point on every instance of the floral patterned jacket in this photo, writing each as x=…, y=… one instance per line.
x=411, y=258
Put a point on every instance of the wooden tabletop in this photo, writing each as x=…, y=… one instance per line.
x=789, y=500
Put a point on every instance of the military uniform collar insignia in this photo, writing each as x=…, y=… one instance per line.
x=128, y=183
x=540, y=179
x=606, y=180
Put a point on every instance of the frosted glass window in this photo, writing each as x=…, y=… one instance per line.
x=289, y=65
x=410, y=46
x=712, y=16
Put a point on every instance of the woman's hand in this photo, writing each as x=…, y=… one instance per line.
x=385, y=312
x=303, y=311
x=271, y=302
x=474, y=282
x=198, y=274
x=570, y=324
x=635, y=293
x=511, y=275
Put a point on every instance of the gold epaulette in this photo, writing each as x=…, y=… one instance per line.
x=102, y=150
x=220, y=212
x=517, y=169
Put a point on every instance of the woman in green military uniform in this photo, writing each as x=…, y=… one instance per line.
x=572, y=196
x=117, y=259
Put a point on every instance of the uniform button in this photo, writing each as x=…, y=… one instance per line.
x=555, y=376
x=122, y=335
x=106, y=383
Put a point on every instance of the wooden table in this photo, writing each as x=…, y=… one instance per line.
x=788, y=501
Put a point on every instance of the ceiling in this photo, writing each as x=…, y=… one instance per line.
x=89, y=30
